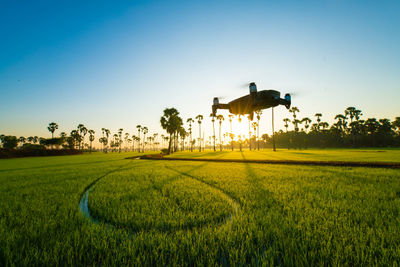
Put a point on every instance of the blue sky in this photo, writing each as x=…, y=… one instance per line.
x=116, y=65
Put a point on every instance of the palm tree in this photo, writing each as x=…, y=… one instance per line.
x=22, y=140
x=258, y=113
x=286, y=121
x=35, y=139
x=212, y=115
x=199, y=118
x=231, y=135
x=294, y=110
x=171, y=122
x=340, y=122
x=220, y=118
x=307, y=122
x=126, y=141
x=30, y=139
x=318, y=115
x=133, y=142
x=255, y=125
x=52, y=128
x=76, y=138
x=144, y=131
x=91, y=138
x=351, y=112
x=396, y=123
x=249, y=119
x=190, y=121
x=120, y=139
x=139, y=127
x=107, y=132
x=81, y=129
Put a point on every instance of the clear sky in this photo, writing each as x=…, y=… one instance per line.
x=116, y=64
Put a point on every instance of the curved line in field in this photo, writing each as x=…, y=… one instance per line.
x=84, y=207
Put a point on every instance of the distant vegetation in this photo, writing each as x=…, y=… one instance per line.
x=349, y=130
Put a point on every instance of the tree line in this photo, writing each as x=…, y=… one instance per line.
x=348, y=130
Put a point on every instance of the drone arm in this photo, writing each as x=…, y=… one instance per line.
x=219, y=106
x=287, y=101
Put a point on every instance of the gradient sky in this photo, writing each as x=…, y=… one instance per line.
x=116, y=64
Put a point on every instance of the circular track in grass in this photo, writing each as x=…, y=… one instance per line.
x=145, y=198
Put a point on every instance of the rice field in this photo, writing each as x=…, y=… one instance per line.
x=146, y=212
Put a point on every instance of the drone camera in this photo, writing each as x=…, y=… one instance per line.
x=216, y=101
x=253, y=88
x=288, y=101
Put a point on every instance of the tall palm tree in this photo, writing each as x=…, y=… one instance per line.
x=294, y=110
x=254, y=125
x=396, y=124
x=220, y=118
x=35, y=139
x=126, y=141
x=120, y=139
x=190, y=121
x=22, y=140
x=91, y=139
x=318, y=115
x=286, y=121
x=81, y=129
x=139, y=127
x=171, y=122
x=350, y=111
x=212, y=115
x=340, y=122
x=30, y=139
x=249, y=119
x=144, y=131
x=133, y=142
x=258, y=113
x=52, y=128
x=107, y=132
x=307, y=122
x=199, y=118
x=231, y=135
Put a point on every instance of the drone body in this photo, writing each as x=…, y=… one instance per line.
x=254, y=101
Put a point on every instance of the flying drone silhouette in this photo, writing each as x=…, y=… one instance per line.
x=248, y=104
x=254, y=101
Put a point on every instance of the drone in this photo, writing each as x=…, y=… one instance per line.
x=252, y=102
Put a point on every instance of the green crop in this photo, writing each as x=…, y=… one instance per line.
x=196, y=213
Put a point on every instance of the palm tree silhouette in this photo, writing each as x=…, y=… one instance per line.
x=249, y=119
x=286, y=121
x=52, y=128
x=190, y=121
x=170, y=122
x=318, y=115
x=220, y=118
x=307, y=122
x=199, y=118
x=139, y=127
x=82, y=129
x=144, y=131
x=91, y=138
x=21, y=140
x=212, y=115
x=231, y=135
x=107, y=132
x=255, y=125
x=258, y=113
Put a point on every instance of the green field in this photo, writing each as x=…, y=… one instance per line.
x=358, y=155
x=145, y=212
